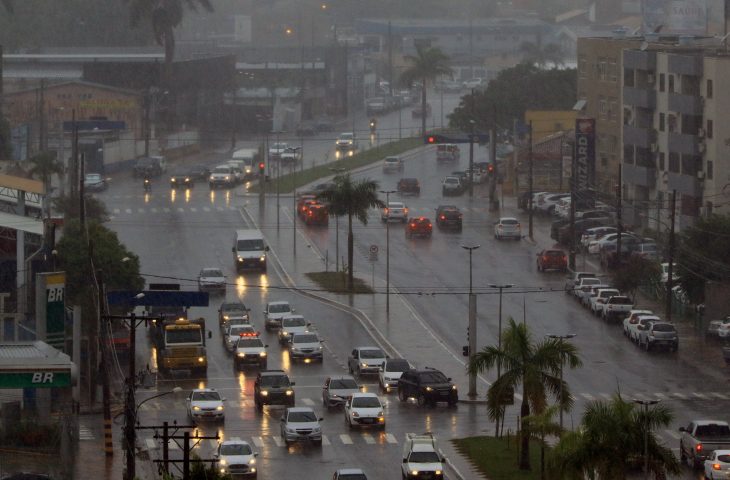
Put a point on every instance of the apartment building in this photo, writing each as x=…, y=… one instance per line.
x=675, y=138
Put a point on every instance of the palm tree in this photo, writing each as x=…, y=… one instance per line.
x=44, y=165
x=541, y=426
x=610, y=442
x=536, y=366
x=165, y=16
x=354, y=199
x=428, y=64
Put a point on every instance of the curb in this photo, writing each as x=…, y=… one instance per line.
x=473, y=402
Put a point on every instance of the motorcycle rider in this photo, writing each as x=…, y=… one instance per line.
x=147, y=182
x=373, y=125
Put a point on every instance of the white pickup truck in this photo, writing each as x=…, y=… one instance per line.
x=617, y=307
x=421, y=457
x=700, y=438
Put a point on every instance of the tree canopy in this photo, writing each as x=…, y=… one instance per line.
x=702, y=254
x=635, y=272
x=515, y=90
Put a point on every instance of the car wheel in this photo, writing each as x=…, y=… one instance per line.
x=402, y=395
x=453, y=403
x=259, y=406
x=647, y=346
x=421, y=400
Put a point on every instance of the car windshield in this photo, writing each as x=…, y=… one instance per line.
x=396, y=366
x=206, y=397
x=233, y=307
x=620, y=301
x=305, y=339
x=183, y=335
x=246, y=342
x=433, y=377
x=591, y=281
x=720, y=458
x=237, y=330
x=366, y=402
x=235, y=449
x=372, y=353
x=712, y=430
x=93, y=177
x=664, y=327
x=395, y=205
x=222, y=170
x=297, y=417
x=554, y=253
x=346, y=136
x=293, y=322
x=391, y=160
x=509, y=221
x=279, y=146
x=279, y=308
x=211, y=272
x=424, y=457
x=451, y=180
x=343, y=384
x=250, y=245
x=275, y=380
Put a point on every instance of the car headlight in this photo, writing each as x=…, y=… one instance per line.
x=227, y=177
x=264, y=393
x=284, y=334
x=240, y=259
x=289, y=393
x=438, y=472
x=414, y=472
x=223, y=461
x=262, y=354
x=223, y=470
x=262, y=258
x=187, y=179
x=320, y=348
x=211, y=178
x=219, y=408
x=173, y=180
x=196, y=408
x=252, y=461
x=290, y=430
x=380, y=414
x=240, y=354
x=364, y=365
x=316, y=429
x=355, y=414
x=201, y=359
x=453, y=387
x=429, y=389
x=225, y=317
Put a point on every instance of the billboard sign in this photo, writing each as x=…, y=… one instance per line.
x=585, y=155
x=688, y=17
x=51, y=308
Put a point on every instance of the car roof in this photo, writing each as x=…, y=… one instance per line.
x=396, y=203
x=502, y=219
x=279, y=302
x=271, y=373
x=292, y=316
x=358, y=471
x=369, y=348
x=201, y=390
x=342, y=377
x=446, y=207
x=300, y=409
x=365, y=394
x=211, y=270
x=235, y=442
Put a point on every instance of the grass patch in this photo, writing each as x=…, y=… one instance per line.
x=291, y=181
x=336, y=282
x=496, y=458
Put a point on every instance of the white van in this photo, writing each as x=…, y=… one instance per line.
x=249, y=250
x=246, y=160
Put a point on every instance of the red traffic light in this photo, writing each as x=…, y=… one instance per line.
x=431, y=139
x=262, y=165
x=490, y=168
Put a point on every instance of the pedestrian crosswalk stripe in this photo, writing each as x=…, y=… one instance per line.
x=140, y=210
x=193, y=209
x=308, y=402
x=117, y=211
x=153, y=210
x=236, y=439
x=680, y=396
x=699, y=395
x=390, y=438
x=325, y=440
x=220, y=209
x=278, y=441
x=587, y=396
x=151, y=444
x=719, y=395
x=368, y=438
x=165, y=209
x=258, y=441
x=672, y=434
x=206, y=209
x=607, y=396
x=346, y=439
x=128, y=210
x=660, y=395
x=181, y=210
x=85, y=433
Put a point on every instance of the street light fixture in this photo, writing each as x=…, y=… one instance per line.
x=387, y=251
x=561, y=338
x=471, y=333
x=646, y=404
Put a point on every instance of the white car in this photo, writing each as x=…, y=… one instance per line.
x=234, y=332
x=364, y=409
x=392, y=164
x=546, y=203
x=300, y=424
x=274, y=312
x=586, y=298
x=305, y=346
x=365, y=360
x=290, y=325
x=642, y=320
x=717, y=465
x=236, y=458
x=94, y=182
x=394, y=211
x=250, y=350
x=599, y=301
x=206, y=404
x=719, y=328
x=595, y=233
x=392, y=370
x=583, y=287
x=507, y=227
x=211, y=279
x=277, y=148
x=597, y=245
x=665, y=273
x=476, y=82
x=633, y=317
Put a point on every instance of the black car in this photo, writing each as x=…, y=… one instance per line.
x=199, y=172
x=233, y=312
x=448, y=216
x=272, y=387
x=181, y=179
x=428, y=387
x=147, y=167
x=409, y=185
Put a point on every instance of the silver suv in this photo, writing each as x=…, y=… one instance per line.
x=300, y=424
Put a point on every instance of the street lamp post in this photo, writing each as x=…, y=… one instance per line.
x=472, y=329
x=646, y=404
x=387, y=251
x=499, y=335
x=338, y=171
x=561, y=338
x=278, y=178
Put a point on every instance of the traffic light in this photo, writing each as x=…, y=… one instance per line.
x=465, y=350
x=262, y=167
x=490, y=169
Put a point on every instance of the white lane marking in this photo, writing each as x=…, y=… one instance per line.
x=85, y=433
x=180, y=210
x=390, y=438
x=117, y=211
x=193, y=209
x=128, y=210
x=660, y=395
x=140, y=210
x=278, y=440
x=368, y=438
x=308, y=402
x=673, y=434
x=639, y=396
x=607, y=396
x=701, y=396
x=680, y=396
x=220, y=209
x=719, y=395
x=206, y=209
x=325, y=440
x=165, y=209
x=258, y=441
x=151, y=444
x=346, y=439
x=588, y=396
x=153, y=210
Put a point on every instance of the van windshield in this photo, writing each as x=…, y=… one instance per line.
x=250, y=245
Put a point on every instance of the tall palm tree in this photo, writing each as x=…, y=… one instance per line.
x=428, y=64
x=536, y=366
x=354, y=199
x=44, y=165
x=165, y=16
x=541, y=426
x=610, y=442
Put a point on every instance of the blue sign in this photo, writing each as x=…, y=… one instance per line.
x=157, y=298
x=90, y=125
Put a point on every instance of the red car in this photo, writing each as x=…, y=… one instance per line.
x=419, y=226
x=317, y=214
x=552, y=259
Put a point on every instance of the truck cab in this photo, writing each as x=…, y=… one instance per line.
x=421, y=457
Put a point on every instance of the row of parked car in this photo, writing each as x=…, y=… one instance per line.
x=642, y=327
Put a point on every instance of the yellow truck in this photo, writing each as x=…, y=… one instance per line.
x=180, y=345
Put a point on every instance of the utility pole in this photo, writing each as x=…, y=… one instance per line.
x=471, y=332
x=493, y=158
x=130, y=433
x=619, y=219
x=390, y=58
x=41, y=117
x=73, y=177
x=670, y=268
x=529, y=182
x=573, y=199
x=82, y=206
x=106, y=394
x=471, y=154
x=186, y=446
x=147, y=126
x=387, y=252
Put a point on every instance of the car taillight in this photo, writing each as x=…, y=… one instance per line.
x=405, y=210
x=387, y=210
x=545, y=258
x=698, y=447
x=716, y=466
x=413, y=225
x=310, y=213
x=443, y=217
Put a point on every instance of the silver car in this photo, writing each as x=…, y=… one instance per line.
x=300, y=424
x=507, y=227
x=305, y=346
x=337, y=389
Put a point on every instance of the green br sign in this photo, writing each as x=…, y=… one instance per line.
x=39, y=379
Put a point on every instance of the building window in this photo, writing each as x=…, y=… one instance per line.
x=710, y=126
x=691, y=165
x=710, y=169
x=629, y=154
x=628, y=77
x=672, y=123
x=602, y=65
x=612, y=71
x=582, y=67
x=708, y=93
x=671, y=83
x=673, y=162
x=661, y=82
x=602, y=107
x=661, y=160
x=662, y=118
x=604, y=161
x=613, y=110
x=708, y=209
